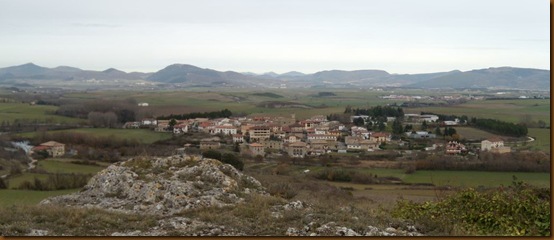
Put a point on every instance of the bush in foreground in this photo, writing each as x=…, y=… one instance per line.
x=518, y=210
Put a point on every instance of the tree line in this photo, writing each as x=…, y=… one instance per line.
x=376, y=112
x=225, y=113
x=500, y=127
x=489, y=125
x=120, y=111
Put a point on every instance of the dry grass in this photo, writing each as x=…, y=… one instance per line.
x=59, y=220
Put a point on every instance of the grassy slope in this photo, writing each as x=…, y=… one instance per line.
x=542, y=139
x=10, y=197
x=64, y=167
x=15, y=181
x=454, y=178
x=12, y=111
x=24, y=197
x=145, y=136
x=506, y=110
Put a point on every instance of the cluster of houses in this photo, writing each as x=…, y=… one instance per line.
x=299, y=138
x=313, y=136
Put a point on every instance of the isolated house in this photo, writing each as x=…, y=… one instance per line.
x=494, y=145
x=488, y=144
x=54, y=149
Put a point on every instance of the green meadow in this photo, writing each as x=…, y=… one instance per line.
x=145, y=136
x=505, y=110
x=453, y=178
x=10, y=112
x=542, y=139
x=9, y=197
x=53, y=166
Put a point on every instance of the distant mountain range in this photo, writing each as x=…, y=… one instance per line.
x=188, y=75
x=31, y=71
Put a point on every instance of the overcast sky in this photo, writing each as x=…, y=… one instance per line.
x=399, y=36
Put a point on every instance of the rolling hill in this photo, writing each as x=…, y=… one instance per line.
x=185, y=75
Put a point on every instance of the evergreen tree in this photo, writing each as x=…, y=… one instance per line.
x=438, y=131
x=424, y=126
x=397, y=127
x=381, y=126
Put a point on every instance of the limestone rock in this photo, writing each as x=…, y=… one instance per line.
x=163, y=186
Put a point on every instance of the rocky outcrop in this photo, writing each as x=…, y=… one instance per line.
x=172, y=188
x=332, y=229
x=163, y=186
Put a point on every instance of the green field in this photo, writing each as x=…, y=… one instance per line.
x=12, y=196
x=53, y=166
x=245, y=101
x=164, y=103
x=15, y=181
x=542, y=139
x=505, y=110
x=470, y=133
x=26, y=197
x=23, y=111
x=145, y=136
x=455, y=178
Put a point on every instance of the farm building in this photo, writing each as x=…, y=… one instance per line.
x=494, y=145
x=54, y=149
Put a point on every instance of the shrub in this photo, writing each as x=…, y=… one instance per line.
x=233, y=160
x=284, y=190
x=57, y=181
x=3, y=183
x=518, y=210
x=212, y=154
x=228, y=158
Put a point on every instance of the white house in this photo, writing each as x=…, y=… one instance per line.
x=321, y=137
x=181, y=128
x=494, y=145
x=238, y=138
x=420, y=135
x=227, y=130
x=149, y=122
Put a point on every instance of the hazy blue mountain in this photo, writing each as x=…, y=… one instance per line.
x=189, y=75
x=28, y=69
x=31, y=71
x=292, y=74
x=502, y=77
x=271, y=74
x=186, y=74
